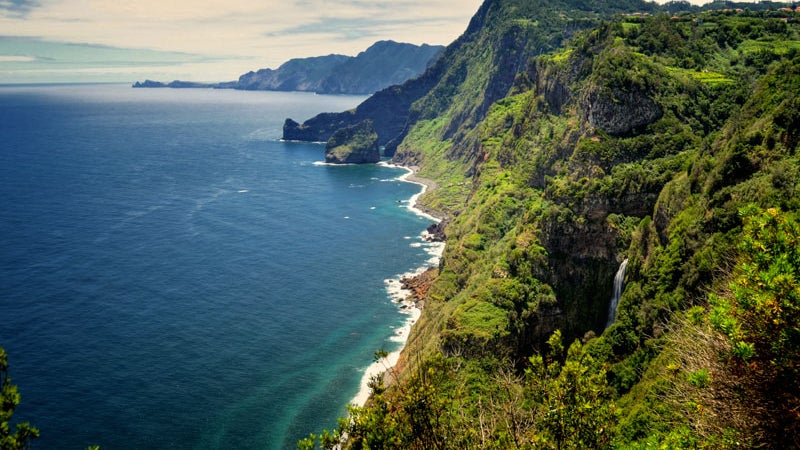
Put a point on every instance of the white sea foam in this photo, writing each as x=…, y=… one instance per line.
x=323, y=163
x=303, y=142
x=244, y=191
x=400, y=337
x=374, y=369
x=435, y=250
x=412, y=202
x=396, y=292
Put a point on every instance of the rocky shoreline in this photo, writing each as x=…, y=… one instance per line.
x=419, y=285
x=413, y=287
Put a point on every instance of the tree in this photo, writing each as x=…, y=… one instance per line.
x=571, y=400
x=759, y=315
x=9, y=399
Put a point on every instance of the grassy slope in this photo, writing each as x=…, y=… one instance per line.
x=497, y=285
x=546, y=206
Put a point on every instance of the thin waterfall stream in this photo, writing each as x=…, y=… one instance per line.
x=619, y=286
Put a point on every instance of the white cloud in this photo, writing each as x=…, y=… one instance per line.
x=16, y=58
x=219, y=39
x=264, y=33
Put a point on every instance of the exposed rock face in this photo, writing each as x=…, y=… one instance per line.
x=387, y=109
x=356, y=144
x=419, y=285
x=301, y=74
x=620, y=112
x=581, y=265
x=319, y=128
x=383, y=64
x=436, y=231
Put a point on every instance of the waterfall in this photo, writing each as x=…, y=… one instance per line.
x=619, y=285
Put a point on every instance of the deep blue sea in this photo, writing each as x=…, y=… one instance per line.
x=172, y=275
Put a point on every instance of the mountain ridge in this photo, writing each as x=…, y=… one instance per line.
x=665, y=140
x=383, y=64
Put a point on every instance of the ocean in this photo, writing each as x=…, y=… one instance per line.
x=172, y=275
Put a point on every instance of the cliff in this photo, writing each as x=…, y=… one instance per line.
x=356, y=144
x=670, y=142
x=474, y=71
x=388, y=109
x=383, y=64
x=302, y=74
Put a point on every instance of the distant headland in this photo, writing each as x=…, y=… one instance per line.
x=383, y=64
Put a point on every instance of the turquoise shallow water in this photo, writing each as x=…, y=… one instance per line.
x=173, y=276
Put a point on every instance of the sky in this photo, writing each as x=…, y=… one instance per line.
x=204, y=40
x=43, y=41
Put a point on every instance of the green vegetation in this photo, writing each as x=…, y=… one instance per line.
x=24, y=433
x=670, y=141
x=354, y=144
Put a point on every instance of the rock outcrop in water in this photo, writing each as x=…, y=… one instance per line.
x=389, y=110
x=356, y=144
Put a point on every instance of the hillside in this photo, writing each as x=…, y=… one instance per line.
x=472, y=73
x=565, y=144
x=383, y=64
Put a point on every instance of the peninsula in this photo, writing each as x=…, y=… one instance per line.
x=383, y=64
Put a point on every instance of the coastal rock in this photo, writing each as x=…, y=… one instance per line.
x=177, y=84
x=419, y=285
x=356, y=144
x=435, y=232
x=320, y=128
x=149, y=84
x=388, y=110
x=619, y=112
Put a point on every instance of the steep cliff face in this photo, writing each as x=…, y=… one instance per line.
x=357, y=144
x=304, y=74
x=642, y=139
x=619, y=112
x=383, y=64
x=473, y=72
x=388, y=110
